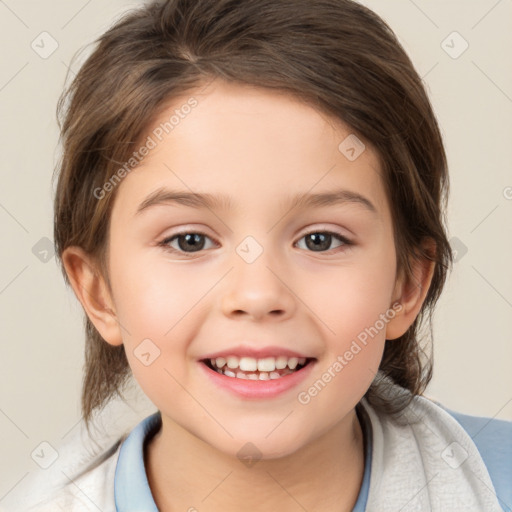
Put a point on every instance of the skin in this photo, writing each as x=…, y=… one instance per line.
x=258, y=147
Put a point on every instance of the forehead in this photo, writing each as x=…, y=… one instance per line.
x=250, y=144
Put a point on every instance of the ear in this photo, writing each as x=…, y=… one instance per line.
x=92, y=292
x=411, y=293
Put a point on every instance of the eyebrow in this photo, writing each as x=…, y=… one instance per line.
x=215, y=202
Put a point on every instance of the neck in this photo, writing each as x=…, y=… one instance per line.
x=185, y=473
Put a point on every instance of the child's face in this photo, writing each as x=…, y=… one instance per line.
x=311, y=295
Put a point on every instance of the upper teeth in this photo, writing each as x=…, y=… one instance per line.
x=250, y=364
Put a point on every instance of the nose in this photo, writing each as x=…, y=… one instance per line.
x=258, y=290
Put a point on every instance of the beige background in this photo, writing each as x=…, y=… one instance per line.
x=41, y=321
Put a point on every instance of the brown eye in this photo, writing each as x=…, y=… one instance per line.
x=186, y=242
x=192, y=241
x=320, y=241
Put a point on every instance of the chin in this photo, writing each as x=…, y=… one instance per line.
x=251, y=448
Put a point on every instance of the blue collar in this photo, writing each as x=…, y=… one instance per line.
x=366, y=427
x=131, y=488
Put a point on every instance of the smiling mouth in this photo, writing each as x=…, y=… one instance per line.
x=271, y=372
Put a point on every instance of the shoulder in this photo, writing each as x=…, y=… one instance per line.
x=493, y=439
x=492, y=434
x=89, y=489
x=464, y=459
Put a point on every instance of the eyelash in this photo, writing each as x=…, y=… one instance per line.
x=165, y=243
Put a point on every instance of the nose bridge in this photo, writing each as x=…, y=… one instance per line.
x=256, y=286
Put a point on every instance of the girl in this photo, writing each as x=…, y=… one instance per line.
x=250, y=210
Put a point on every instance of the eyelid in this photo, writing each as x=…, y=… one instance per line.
x=187, y=231
x=325, y=229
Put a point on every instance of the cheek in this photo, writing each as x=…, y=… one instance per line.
x=354, y=337
x=152, y=295
x=158, y=305
x=353, y=305
x=154, y=307
x=350, y=298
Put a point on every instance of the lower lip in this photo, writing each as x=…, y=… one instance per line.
x=258, y=388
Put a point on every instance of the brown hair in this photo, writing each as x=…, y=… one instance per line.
x=336, y=55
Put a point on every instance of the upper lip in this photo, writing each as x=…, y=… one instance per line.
x=256, y=353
